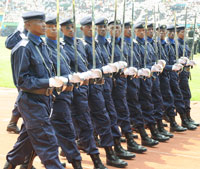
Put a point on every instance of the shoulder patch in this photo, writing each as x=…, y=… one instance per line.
x=23, y=42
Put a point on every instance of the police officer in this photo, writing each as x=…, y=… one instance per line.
x=80, y=108
x=10, y=43
x=108, y=86
x=156, y=93
x=133, y=88
x=183, y=80
x=61, y=115
x=168, y=54
x=145, y=96
x=33, y=75
x=96, y=100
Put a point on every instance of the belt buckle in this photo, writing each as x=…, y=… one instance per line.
x=48, y=91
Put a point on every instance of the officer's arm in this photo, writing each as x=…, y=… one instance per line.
x=26, y=79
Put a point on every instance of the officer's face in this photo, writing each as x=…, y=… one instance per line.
x=150, y=32
x=127, y=31
x=162, y=33
x=171, y=34
x=36, y=27
x=181, y=34
x=51, y=31
x=139, y=32
x=87, y=30
x=68, y=30
x=102, y=30
x=117, y=30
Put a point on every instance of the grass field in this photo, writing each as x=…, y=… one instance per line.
x=6, y=75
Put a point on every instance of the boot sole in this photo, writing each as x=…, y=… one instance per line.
x=150, y=145
x=12, y=130
x=179, y=131
x=136, y=151
x=125, y=157
x=116, y=165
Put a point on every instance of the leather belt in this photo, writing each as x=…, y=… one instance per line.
x=108, y=75
x=187, y=69
x=99, y=81
x=46, y=92
x=123, y=75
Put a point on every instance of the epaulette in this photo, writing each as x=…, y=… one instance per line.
x=23, y=42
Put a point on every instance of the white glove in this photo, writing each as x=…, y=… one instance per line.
x=191, y=63
x=185, y=59
x=132, y=71
x=85, y=75
x=113, y=67
x=156, y=68
x=176, y=67
x=107, y=69
x=140, y=72
x=162, y=63
x=64, y=79
x=75, y=78
x=122, y=64
x=146, y=72
x=55, y=82
x=96, y=73
x=126, y=72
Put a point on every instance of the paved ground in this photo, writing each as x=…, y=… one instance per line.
x=181, y=152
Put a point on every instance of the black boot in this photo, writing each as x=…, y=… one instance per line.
x=174, y=126
x=146, y=140
x=132, y=145
x=113, y=160
x=186, y=123
x=191, y=120
x=156, y=135
x=28, y=163
x=162, y=130
x=166, y=117
x=12, y=126
x=97, y=162
x=120, y=152
x=8, y=166
x=76, y=164
x=122, y=139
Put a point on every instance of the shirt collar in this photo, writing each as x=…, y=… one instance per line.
x=69, y=40
x=181, y=40
x=172, y=41
x=101, y=39
x=88, y=39
x=34, y=38
x=128, y=40
x=163, y=42
x=149, y=39
x=140, y=40
x=52, y=43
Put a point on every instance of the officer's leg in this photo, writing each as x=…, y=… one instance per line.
x=185, y=89
x=168, y=101
x=145, y=98
x=120, y=151
x=35, y=111
x=102, y=121
x=12, y=126
x=158, y=106
x=64, y=128
x=82, y=122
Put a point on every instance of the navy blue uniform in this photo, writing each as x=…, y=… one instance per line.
x=32, y=71
x=174, y=80
x=184, y=76
x=156, y=93
x=168, y=98
x=120, y=89
x=145, y=96
x=80, y=108
x=96, y=100
x=133, y=87
x=108, y=86
x=61, y=116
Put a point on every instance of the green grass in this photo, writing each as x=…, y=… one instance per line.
x=6, y=74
